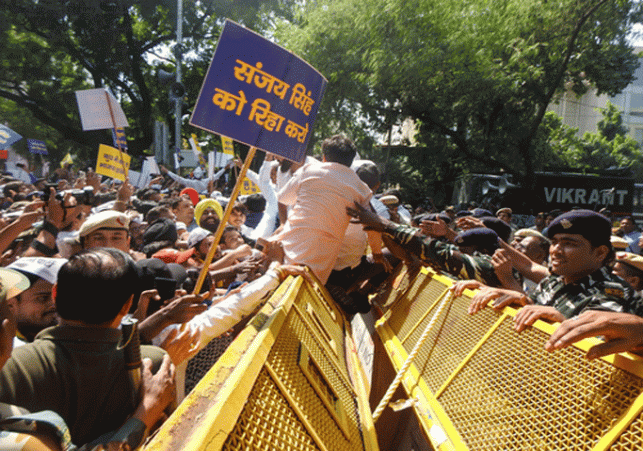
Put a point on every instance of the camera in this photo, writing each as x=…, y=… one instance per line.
x=48, y=186
x=83, y=196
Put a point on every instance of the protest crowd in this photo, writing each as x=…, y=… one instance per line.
x=88, y=264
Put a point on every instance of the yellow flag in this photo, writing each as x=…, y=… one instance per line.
x=248, y=187
x=196, y=149
x=66, y=160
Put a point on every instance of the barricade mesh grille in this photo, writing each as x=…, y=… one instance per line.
x=631, y=438
x=408, y=310
x=512, y=394
x=401, y=281
x=294, y=336
x=500, y=390
x=268, y=422
x=301, y=368
x=449, y=342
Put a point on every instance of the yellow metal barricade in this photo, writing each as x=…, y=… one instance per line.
x=289, y=381
x=477, y=384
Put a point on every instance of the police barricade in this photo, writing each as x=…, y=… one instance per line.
x=477, y=384
x=290, y=381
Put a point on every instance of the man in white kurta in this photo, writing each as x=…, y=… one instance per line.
x=318, y=194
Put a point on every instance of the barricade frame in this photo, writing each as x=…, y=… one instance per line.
x=437, y=425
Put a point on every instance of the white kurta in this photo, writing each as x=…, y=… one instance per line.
x=318, y=194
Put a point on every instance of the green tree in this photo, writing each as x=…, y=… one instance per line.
x=477, y=76
x=52, y=48
x=609, y=147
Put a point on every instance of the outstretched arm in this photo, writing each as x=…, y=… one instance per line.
x=621, y=331
x=525, y=266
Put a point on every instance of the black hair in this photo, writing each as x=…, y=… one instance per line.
x=255, y=202
x=226, y=230
x=240, y=207
x=11, y=186
x=152, y=248
x=156, y=212
x=369, y=174
x=192, y=277
x=95, y=284
x=544, y=244
x=176, y=202
x=339, y=149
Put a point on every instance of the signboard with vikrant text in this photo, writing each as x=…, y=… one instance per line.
x=565, y=191
x=260, y=94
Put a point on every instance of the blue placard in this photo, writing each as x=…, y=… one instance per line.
x=36, y=146
x=8, y=137
x=260, y=94
x=119, y=138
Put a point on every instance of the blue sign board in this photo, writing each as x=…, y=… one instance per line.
x=260, y=94
x=8, y=137
x=36, y=146
x=119, y=138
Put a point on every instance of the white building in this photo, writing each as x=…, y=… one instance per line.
x=584, y=112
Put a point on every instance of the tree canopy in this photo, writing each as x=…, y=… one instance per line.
x=52, y=48
x=477, y=76
x=608, y=148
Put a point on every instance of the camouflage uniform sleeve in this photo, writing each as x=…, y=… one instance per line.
x=636, y=306
x=606, y=296
x=444, y=256
x=577, y=306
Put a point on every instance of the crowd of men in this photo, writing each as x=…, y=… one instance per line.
x=89, y=265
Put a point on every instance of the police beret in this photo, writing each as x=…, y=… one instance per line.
x=432, y=217
x=592, y=226
x=480, y=237
x=481, y=212
x=634, y=260
x=463, y=213
x=502, y=229
x=109, y=219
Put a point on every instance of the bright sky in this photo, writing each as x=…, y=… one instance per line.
x=637, y=38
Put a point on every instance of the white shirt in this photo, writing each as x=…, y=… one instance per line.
x=319, y=194
x=222, y=316
x=268, y=221
x=200, y=185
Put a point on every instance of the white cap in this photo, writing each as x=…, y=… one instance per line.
x=43, y=267
x=196, y=236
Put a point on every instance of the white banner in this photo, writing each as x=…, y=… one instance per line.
x=99, y=110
